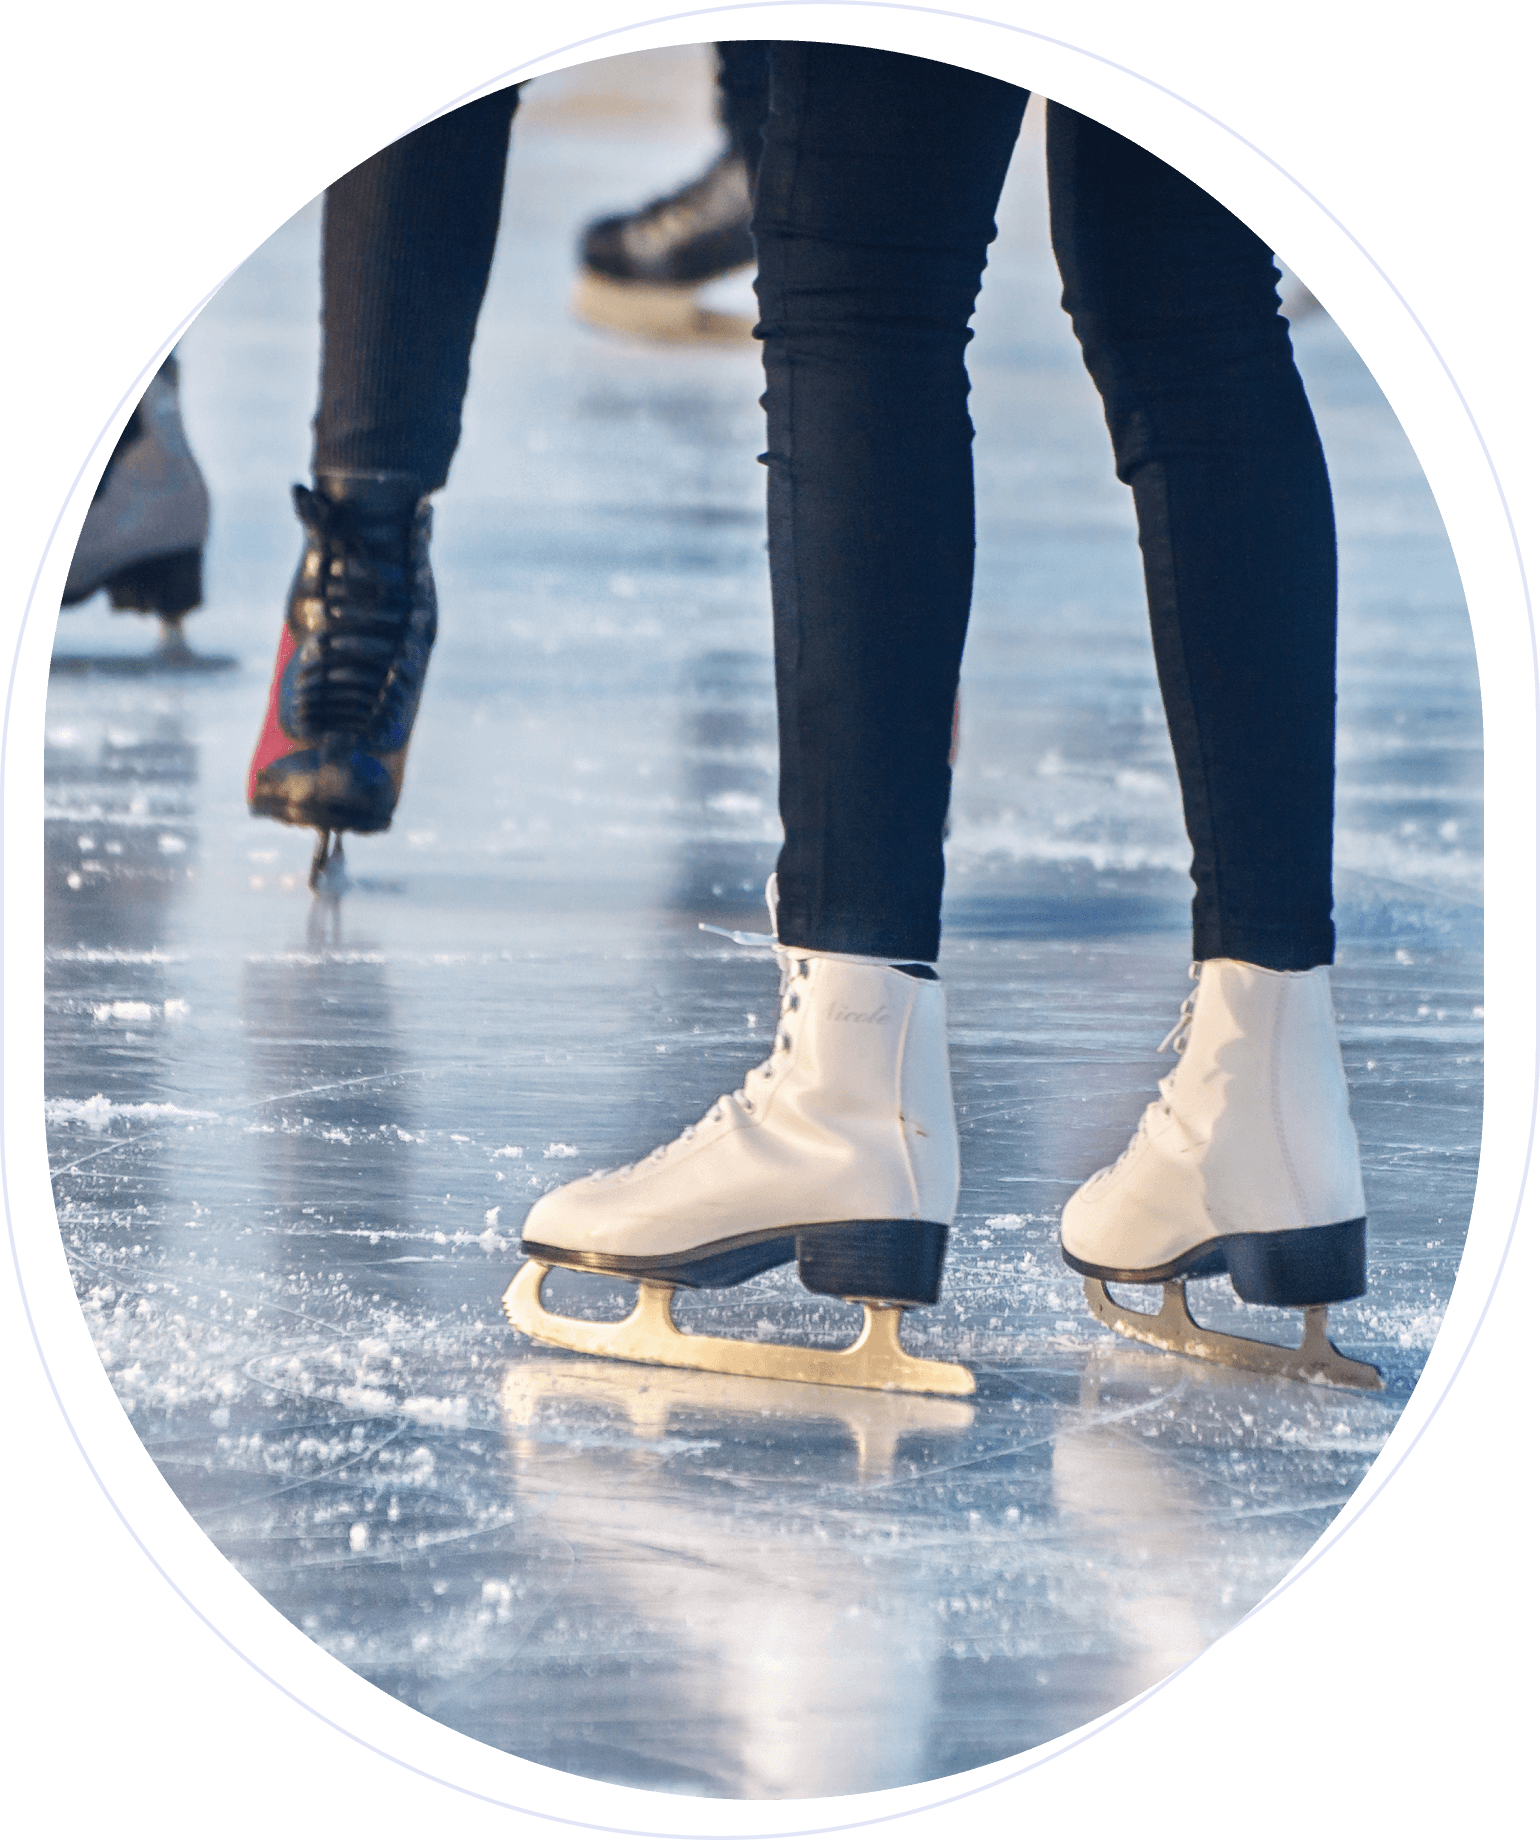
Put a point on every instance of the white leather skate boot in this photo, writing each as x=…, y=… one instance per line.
x=839, y=1151
x=1247, y=1162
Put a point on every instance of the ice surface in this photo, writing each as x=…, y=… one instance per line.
x=293, y=1144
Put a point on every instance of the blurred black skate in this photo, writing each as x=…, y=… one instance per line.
x=143, y=537
x=353, y=653
x=642, y=272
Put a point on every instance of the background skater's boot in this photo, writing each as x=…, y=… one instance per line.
x=144, y=535
x=1247, y=1163
x=642, y=270
x=352, y=658
x=840, y=1152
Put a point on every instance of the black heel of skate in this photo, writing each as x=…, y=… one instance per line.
x=1299, y=1266
x=167, y=585
x=877, y=1261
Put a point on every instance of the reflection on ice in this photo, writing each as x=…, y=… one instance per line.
x=800, y=1702
x=651, y=1400
x=1107, y=1474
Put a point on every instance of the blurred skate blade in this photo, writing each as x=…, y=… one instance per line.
x=328, y=868
x=652, y=1401
x=670, y=315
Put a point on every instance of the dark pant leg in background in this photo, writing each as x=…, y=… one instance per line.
x=743, y=96
x=876, y=199
x=1173, y=300
x=406, y=250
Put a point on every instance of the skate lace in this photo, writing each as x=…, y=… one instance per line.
x=1176, y=1042
x=365, y=590
x=794, y=971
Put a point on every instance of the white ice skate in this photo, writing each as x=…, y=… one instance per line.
x=840, y=1152
x=1247, y=1164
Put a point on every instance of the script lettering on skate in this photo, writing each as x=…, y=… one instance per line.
x=836, y=1013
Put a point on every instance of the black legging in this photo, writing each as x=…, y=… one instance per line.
x=877, y=190
x=406, y=248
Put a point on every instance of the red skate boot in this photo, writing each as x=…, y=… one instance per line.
x=352, y=658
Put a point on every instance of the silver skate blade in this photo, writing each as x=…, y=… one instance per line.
x=328, y=867
x=875, y=1359
x=1316, y=1360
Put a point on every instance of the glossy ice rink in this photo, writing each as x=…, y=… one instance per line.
x=293, y=1144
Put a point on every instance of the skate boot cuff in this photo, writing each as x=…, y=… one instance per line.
x=1222, y=958
x=377, y=495
x=915, y=968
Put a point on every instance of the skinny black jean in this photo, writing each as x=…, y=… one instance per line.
x=406, y=247
x=876, y=196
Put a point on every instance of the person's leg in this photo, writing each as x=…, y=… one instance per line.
x=407, y=247
x=743, y=97
x=1247, y=1163
x=877, y=191
x=1173, y=300
x=875, y=206
x=143, y=537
